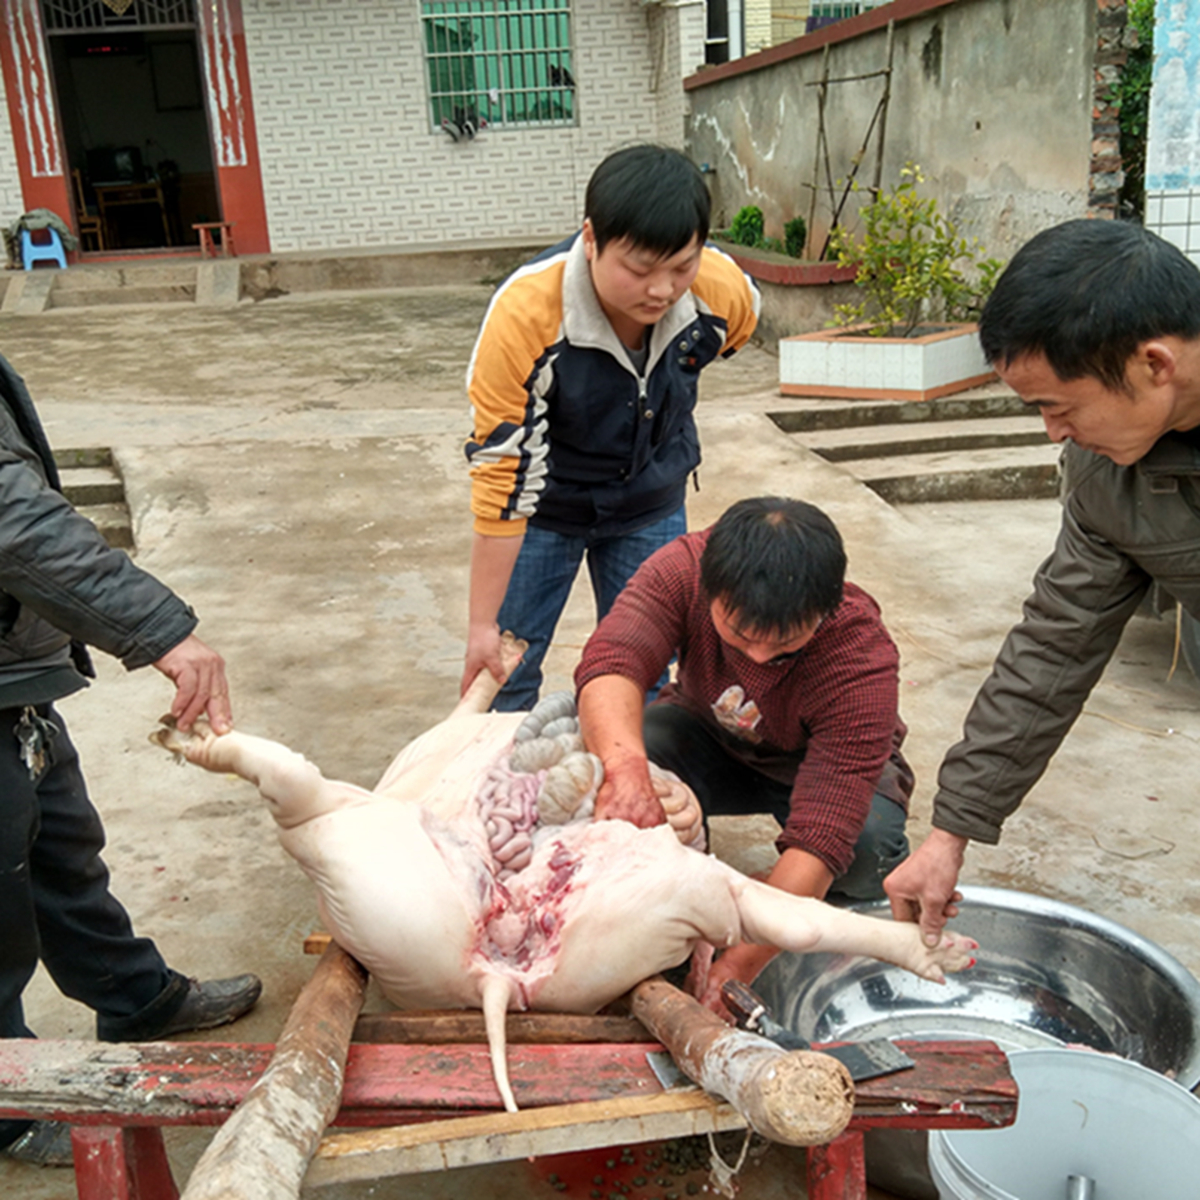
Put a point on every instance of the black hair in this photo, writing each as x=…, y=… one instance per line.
x=1086, y=294
x=775, y=564
x=652, y=195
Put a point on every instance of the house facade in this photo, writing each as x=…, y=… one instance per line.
x=317, y=124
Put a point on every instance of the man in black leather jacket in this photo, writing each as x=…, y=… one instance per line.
x=1096, y=324
x=61, y=587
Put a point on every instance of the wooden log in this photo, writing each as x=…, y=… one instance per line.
x=263, y=1150
x=798, y=1097
x=466, y=1141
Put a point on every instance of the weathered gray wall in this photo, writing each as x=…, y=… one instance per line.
x=993, y=98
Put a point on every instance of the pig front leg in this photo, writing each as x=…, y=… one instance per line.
x=806, y=926
x=293, y=788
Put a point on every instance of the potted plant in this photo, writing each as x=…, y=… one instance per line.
x=911, y=336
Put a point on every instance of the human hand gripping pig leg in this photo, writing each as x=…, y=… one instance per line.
x=803, y=925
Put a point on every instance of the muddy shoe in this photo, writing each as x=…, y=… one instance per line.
x=43, y=1144
x=214, y=1002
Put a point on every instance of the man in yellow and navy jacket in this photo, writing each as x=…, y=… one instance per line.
x=583, y=386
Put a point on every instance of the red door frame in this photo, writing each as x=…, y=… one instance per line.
x=37, y=138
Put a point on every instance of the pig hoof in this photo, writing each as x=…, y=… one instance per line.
x=171, y=738
x=953, y=953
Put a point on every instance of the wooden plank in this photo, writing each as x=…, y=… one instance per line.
x=438, y=1028
x=444, y=1145
x=114, y=1163
x=263, y=1150
x=838, y=1171
x=201, y=1083
x=966, y=1084
x=458, y=1077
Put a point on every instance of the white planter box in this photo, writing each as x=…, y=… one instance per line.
x=850, y=364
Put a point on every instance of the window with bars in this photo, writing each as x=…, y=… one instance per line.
x=498, y=62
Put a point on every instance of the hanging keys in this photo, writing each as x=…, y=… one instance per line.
x=34, y=734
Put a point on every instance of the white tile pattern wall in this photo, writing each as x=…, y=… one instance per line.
x=348, y=158
x=1174, y=214
x=12, y=205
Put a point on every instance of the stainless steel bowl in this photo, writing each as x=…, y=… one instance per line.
x=1047, y=974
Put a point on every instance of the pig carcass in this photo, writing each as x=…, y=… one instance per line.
x=453, y=900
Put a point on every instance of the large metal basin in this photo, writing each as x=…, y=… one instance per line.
x=1047, y=974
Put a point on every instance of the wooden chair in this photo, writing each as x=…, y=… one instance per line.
x=88, y=220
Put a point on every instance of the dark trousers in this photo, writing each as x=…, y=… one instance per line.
x=680, y=742
x=55, y=904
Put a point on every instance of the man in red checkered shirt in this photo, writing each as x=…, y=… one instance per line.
x=785, y=701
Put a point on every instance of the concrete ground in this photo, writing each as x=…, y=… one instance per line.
x=294, y=470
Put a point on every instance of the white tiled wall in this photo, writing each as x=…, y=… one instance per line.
x=348, y=159
x=1174, y=214
x=12, y=204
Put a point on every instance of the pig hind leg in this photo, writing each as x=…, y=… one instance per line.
x=804, y=925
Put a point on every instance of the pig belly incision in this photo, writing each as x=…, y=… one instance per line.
x=473, y=876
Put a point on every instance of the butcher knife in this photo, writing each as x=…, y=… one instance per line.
x=864, y=1060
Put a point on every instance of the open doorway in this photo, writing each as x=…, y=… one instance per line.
x=135, y=132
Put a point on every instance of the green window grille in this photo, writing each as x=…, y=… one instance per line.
x=499, y=62
x=837, y=12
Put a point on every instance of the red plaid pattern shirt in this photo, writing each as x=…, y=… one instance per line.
x=825, y=721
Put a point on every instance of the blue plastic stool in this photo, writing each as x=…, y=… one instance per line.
x=50, y=251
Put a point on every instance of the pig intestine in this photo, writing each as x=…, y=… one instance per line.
x=549, y=780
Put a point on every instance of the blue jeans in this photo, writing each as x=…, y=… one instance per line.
x=541, y=582
x=682, y=743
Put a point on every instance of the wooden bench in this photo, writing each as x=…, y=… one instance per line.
x=423, y=1084
x=207, y=248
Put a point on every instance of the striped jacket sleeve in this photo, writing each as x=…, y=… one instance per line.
x=725, y=290
x=509, y=371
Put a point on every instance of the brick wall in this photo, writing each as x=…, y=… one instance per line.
x=757, y=19
x=787, y=20
x=348, y=158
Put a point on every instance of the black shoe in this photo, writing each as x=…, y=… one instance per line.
x=43, y=1144
x=215, y=1002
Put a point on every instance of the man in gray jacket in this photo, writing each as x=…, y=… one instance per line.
x=62, y=586
x=1096, y=324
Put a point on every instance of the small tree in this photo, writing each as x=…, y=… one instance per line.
x=1132, y=96
x=747, y=227
x=912, y=264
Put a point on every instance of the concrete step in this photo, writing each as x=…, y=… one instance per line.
x=92, y=483
x=112, y=520
x=806, y=416
x=982, y=444
x=997, y=473
x=162, y=281
x=107, y=276
x=128, y=294
x=928, y=437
